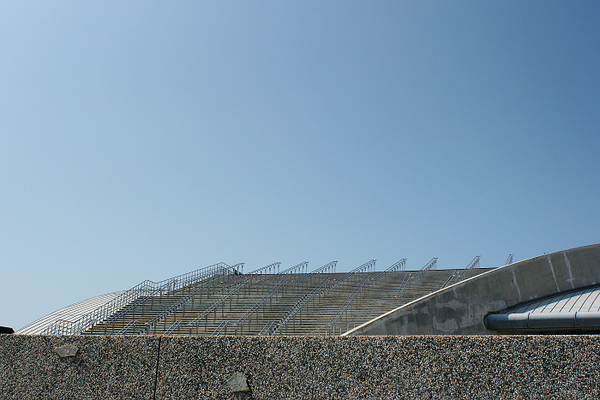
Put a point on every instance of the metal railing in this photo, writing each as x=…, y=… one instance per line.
x=268, y=268
x=460, y=275
x=319, y=290
x=402, y=286
x=259, y=303
x=235, y=289
x=265, y=331
x=299, y=267
x=349, y=300
x=165, y=313
x=399, y=265
x=362, y=268
x=222, y=327
x=330, y=266
x=145, y=288
x=412, y=278
x=430, y=265
x=328, y=328
x=172, y=328
x=126, y=327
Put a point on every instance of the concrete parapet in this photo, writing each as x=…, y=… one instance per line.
x=409, y=367
x=460, y=309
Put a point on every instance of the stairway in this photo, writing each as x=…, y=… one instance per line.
x=280, y=304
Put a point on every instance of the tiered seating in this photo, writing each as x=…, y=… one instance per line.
x=289, y=303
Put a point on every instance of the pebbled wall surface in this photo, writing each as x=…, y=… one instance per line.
x=385, y=367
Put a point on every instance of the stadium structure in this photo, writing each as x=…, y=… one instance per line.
x=221, y=300
x=551, y=293
x=527, y=329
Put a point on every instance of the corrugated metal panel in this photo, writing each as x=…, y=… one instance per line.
x=584, y=300
x=563, y=311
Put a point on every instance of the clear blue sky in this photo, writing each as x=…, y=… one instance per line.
x=141, y=140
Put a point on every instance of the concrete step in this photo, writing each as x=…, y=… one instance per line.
x=231, y=299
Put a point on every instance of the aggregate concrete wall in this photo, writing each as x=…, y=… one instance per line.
x=409, y=367
x=461, y=308
x=103, y=368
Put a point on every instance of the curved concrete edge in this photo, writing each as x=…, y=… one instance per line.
x=382, y=316
x=460, y=309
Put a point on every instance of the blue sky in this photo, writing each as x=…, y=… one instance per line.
x=141, y=140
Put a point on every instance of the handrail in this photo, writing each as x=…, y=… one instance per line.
x=136, y=303
x=126, y=327
x=397, y=265
x=220, y=301
x=450, y=278
x=289, y=270
x=427, y=267
x=249, y=277
x=317, y=329
x=260, y=302
x=403, y=285
x=172, y=328
x=222, y=325
x=265, y=268
x=458, y=275
x=168, y=311
x=473, y=264
x=362, y=268
x=145, y=288
x=265, y=330
x=408, y=278
x=329, y=266
x=63, y=327
x=150, y=324
x=302, y=265
x=296, y=267
x=318, y=290
x=338, y=315
x=244, y=276
x=349, y=301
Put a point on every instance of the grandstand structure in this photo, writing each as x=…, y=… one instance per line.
x=221, y=300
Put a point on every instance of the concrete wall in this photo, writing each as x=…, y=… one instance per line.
x=417, y=367
x=460, y=309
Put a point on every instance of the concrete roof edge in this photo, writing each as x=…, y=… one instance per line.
x=462, y=283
